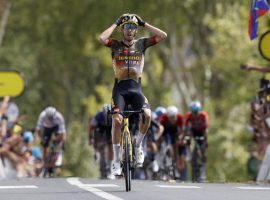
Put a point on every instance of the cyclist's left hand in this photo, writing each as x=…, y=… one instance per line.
x=140, y=20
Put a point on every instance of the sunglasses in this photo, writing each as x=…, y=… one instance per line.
x=130, y=26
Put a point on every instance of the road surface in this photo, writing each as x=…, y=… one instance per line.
x=94, y=189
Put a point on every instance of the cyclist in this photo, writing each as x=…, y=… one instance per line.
x=51, y=121
x=100, y=136
x=159, y=111
x=173, y=122
x=196, y=124
x=128, y=63
x=154, y=132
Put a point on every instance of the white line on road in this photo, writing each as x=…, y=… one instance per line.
x=100, y=185
x=90, y=188
x=254, y=188
x=19, y=187
x=179, y=186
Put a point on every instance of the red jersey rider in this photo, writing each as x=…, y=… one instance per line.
x=196, y=124
x=173, y=132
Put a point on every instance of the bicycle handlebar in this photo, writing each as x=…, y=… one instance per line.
x=126, y=113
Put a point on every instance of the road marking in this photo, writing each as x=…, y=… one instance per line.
x=254, y=188
x=91, y=188
x=100, y=185
x=19, y=187
x=179, y=186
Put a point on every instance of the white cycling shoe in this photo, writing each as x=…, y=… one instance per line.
x=139, y=156
x=116, y=168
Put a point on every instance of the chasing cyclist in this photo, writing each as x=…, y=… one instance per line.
x=51, y=121
x=99, y=134
x=196, y=125
x=173, y=123
x=128, y=62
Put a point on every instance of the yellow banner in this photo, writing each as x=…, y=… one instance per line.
x=11, y=83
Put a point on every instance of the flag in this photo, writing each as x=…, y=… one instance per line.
x=258, y=8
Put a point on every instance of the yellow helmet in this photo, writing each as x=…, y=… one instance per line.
x=129, y=18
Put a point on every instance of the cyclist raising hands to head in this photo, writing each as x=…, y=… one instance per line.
x=128, y=63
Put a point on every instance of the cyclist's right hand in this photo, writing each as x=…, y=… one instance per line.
x=119, y=21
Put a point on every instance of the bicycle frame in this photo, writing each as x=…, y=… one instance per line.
x=126, y=145
x=127, y=132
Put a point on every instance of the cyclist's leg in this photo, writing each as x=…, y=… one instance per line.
x=118, y=104
x=46, y=137
x=181, y=164
x=60, y=142
x=204, y=160
x=139, y=101
x=153, y=152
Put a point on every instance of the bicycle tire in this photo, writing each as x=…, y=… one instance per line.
x=196, y=166
x=46, y=169
x=127, y=164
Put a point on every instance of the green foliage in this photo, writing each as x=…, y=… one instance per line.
x=55, y=45
x=78, y=157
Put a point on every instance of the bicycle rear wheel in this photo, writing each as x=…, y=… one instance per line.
x=127, y=165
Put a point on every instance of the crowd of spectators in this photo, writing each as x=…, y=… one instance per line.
x=19, y=156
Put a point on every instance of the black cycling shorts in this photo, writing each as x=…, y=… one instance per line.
x=128, y=92
x=103, y=134
x=47, y=134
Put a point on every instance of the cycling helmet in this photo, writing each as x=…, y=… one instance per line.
x=160, y=111
x=28, y=137
x=129, y=19
x=50, y=111
x=172, y=111
x=106, y=108
x=195, y=107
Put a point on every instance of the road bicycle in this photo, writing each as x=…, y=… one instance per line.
x=52, y=160
x=197, y=158
x=128, y=157
x=166, y=163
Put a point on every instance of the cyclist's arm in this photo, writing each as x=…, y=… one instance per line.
x=159, y=34
x=159, y=129
x=4, y=105
x=104, y=36
x=259, y=69
x=37, y=135
x=3, y=129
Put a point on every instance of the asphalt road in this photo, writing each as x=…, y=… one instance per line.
x=84, y=188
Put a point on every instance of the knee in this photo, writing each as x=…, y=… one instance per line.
x=117, y=121
x=147, y=116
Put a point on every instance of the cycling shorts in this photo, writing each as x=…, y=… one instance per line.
x=103, y=134
x=47, y=134
x=128, y=92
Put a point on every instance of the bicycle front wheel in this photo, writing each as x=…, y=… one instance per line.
x=127, y=164
x=196, y=165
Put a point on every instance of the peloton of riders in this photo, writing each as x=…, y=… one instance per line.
x=167, y=133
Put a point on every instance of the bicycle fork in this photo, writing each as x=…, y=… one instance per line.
x=127, y=132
